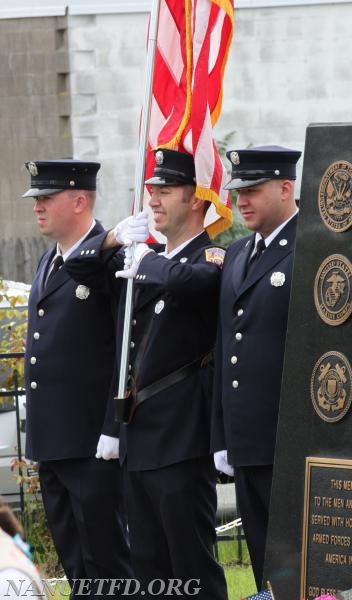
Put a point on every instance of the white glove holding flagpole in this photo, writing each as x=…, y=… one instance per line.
x=133, y=257
x=132, y=229
x=108, y=447
x=221, y=463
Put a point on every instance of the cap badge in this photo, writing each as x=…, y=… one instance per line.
x=159, y=307
x=82, y=292
x=277, y=279
x=159, y=157
x=235, y=159
x=32, y=168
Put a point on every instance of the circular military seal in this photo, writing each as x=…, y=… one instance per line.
x=330, y=386
x=335, y=194
x=332, y=289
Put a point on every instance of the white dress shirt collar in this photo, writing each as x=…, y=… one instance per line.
x=179, y=248
x=274, y=233
x=70, y=250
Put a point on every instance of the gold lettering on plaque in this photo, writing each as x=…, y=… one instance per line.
x=336, y=559
x=327, y=527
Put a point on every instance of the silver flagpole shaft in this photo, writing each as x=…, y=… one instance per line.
x=139, y=187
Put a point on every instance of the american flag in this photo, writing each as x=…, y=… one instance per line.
x=262, y=595
x=193, y=42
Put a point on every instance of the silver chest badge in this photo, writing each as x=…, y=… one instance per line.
x=277, y=279
x=159, y=306
x=82, y=292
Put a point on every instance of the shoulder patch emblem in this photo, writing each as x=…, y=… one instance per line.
x=215, y=255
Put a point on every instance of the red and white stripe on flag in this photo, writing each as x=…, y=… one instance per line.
x=193, y=42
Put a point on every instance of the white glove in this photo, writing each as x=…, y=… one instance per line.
x=108, y=447
x=221, y=464
x=132, y=229
x=132, y=259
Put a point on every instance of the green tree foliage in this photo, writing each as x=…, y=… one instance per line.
x=13, y=331
x=238, y=229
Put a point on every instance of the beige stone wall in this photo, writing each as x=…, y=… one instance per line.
x=108, y=56
x=34, y=124
x=288, y=66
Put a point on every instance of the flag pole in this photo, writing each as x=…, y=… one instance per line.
x=139, y=187
x=270, y=589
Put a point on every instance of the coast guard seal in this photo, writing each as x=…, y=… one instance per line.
x=330, y=386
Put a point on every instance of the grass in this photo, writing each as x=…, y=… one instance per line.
x=240, y=582
x=233, y=555
x=239, y=577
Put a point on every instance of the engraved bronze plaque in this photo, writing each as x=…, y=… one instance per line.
x=330, y=387
x=327, y=527
x=332, y=289
x=334, y=196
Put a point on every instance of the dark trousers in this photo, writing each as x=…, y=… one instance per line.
x=253, y=487
x=84, y=506
x=171, y=517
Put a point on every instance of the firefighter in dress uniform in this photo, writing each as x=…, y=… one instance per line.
x=69, y=366
x=165, y=448
x=254, y=300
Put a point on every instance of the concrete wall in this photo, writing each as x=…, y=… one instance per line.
x=288, y=67
x=34, y=124
x=108, y=54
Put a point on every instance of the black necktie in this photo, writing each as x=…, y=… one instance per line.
x=56, y=264
x=259, y=249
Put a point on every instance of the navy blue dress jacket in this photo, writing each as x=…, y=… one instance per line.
x=250, y=348
x=69, y=366
x=176, y=302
